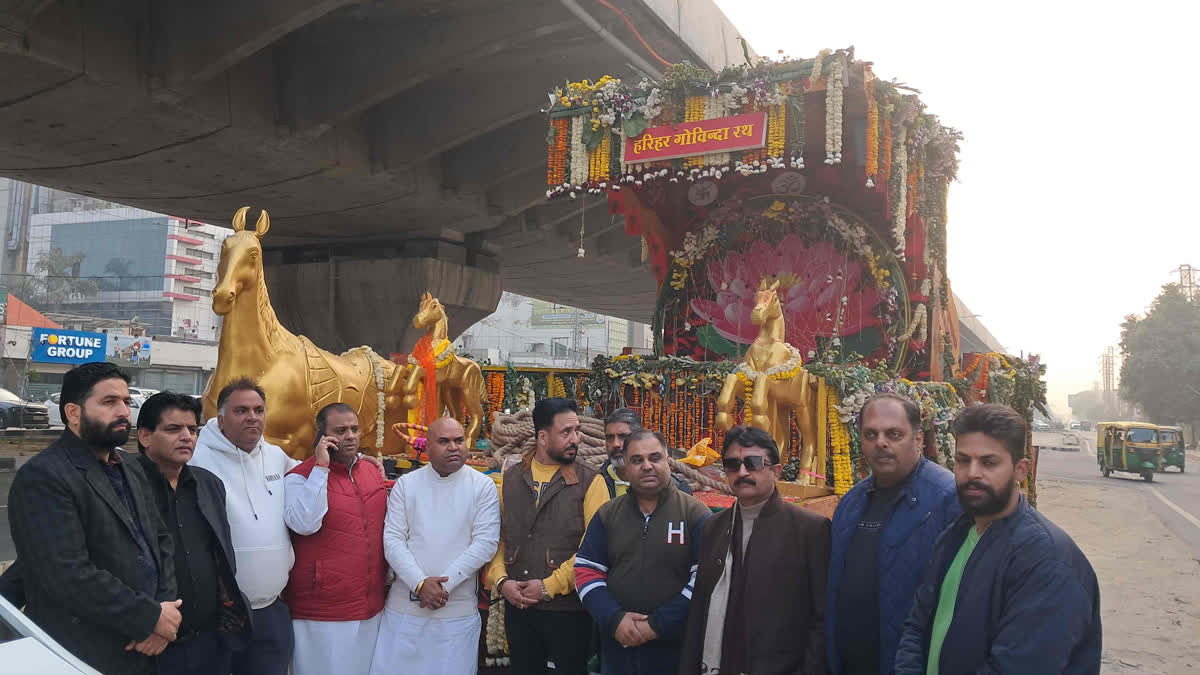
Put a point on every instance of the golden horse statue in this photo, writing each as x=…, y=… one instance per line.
x=459, y=380
x=298, y=377
x=774, y=384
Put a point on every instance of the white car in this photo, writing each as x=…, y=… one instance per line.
x=25, y=648
x=143, y=392
x=135, y=405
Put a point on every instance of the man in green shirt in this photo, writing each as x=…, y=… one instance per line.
x=1007, y=591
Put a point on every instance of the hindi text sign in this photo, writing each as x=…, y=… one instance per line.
x=702, y=137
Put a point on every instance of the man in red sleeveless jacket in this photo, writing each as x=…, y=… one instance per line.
x=335, y=507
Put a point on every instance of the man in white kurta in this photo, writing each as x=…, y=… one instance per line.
x=442, y=527
x=335, y=505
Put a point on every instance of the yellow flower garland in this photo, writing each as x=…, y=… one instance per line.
x=776, y=130
x=599, y=167
x=443, y=354
x=872, y=167
x=839, y=439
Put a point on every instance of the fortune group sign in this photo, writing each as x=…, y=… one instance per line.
x=702, y=137
x=67, y=346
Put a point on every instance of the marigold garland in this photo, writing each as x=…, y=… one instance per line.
x=601, y=161
x=776, y=130
x=556, y=162
x=839, y=440
x=872, y=163
x=885, y=148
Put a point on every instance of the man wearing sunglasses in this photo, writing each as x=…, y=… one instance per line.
x=759, y=601
x=637, y=563
x=884, y=531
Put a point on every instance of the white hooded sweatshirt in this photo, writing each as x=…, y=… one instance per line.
x=254, y=503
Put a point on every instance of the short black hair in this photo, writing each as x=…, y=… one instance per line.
x=911, y=411
x=751, y=437
x=996, y=421
x=79, y=381
x=240, y=384
x=643, y=434
x=545, y=410
x=624, y=416
x=152, y=410
x=323, y=417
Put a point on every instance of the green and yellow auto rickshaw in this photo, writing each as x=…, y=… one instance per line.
x=1170, y=439
x=1131, y=447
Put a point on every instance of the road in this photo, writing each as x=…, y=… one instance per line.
x=1174, y=497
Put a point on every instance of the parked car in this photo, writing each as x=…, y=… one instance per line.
x=55, y=412
x=25, y=648
x=1076, y=426
x=17, y=412
x=143, y=392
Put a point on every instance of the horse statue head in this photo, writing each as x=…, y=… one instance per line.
x=241, y=261
x=766, y=303
x=429, y=313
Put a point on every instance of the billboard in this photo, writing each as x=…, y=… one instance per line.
x=128, y=351
x=547, y=314
x=52, y=345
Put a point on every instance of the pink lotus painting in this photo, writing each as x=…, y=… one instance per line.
x=813, y=280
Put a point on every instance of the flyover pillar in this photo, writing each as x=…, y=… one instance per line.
x=344, y=303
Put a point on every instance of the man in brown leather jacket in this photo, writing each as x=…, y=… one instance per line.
x=759, y=599
x=546, y=503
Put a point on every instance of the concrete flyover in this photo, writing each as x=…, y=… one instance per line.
x=396, y=143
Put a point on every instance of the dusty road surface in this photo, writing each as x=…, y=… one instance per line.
x=1143, y=539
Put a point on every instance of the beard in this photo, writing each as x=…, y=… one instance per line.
x=99, y=434
x=993, y=503
x=564, y=455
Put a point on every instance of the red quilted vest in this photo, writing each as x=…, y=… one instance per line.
x=340, y=571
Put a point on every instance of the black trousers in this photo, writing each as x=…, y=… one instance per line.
x=203, y=653
x=536, y=636
x=267, y=650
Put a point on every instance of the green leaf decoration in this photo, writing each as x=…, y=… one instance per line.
x=634, y=126
x=714, y=342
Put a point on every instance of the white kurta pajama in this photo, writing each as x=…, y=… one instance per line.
x=436, y=527
x=324, y=647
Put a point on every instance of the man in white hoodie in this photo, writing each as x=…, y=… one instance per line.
x=442, y=527
x=232, y=447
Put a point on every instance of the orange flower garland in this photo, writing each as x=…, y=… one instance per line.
x=872, y=164
x=556, y=162
x=885, y=149
x=694, y=112
x=599, y=162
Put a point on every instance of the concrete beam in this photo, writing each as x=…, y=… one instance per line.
x=197, y=41
x=17, y=15
x=436, y=117
x=495, y=157
x=340, y=304
x=390, y=57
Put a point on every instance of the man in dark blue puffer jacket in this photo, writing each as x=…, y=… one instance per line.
x=884, y=531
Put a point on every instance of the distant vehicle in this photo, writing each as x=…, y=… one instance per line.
x=1076, y=426
x=1039, y=425
x=17, y=412
x=1085, y=426
x=143, y=392
x=1170, y=439
x=54, y=412
x=25, y=648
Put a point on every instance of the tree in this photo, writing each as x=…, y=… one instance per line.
x=56, y=279
x=1161, y=365
x=122, y=269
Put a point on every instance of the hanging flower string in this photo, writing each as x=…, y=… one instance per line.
x=833, y=113
x=872, y=162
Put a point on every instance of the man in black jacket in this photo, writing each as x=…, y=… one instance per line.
x=759, y=604
x=619, y=425
x=191, y=501
x=100, y=578
x=1007, y=591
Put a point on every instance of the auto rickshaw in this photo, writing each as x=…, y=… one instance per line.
x=1170, y=439
x=1131, y=447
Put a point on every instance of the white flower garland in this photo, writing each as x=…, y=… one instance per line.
x=579, y=154
x=495, y=638
x=714, y=108
x=786, y=367
x=833, y=113
x=900, y=171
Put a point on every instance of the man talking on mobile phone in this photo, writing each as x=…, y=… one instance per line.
x=335, y=506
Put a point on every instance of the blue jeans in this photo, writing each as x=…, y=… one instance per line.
x=204, y=653
x=267, y=649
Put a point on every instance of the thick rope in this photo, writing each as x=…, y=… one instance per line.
x=514, y=434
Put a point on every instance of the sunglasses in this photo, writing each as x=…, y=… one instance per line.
x=753, y=463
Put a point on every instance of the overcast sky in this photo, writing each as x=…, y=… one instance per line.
x=1073, y=204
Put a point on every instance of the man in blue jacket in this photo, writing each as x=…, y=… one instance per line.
x=1008, y=591
x=636, y=567
x=884, y=530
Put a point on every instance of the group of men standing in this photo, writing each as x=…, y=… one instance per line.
x=212, y=552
